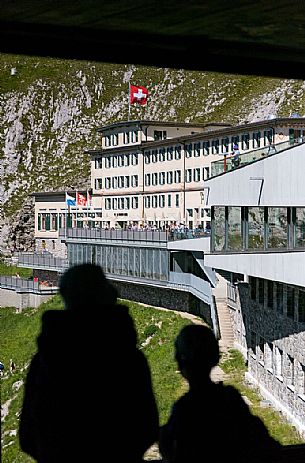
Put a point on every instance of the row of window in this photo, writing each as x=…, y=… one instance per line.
x=286, y=300
x=121, y=260
x=257, y=228
x=122, y=181
x=128, y=137
x=53, y=221
x=217, y=146
x=279, y=363
x=122, y=203
x=119, y=160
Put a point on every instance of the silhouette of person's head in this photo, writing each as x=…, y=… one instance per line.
x=86, y=284
x=196, y=352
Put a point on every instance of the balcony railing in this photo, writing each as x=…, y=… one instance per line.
x=21, y=284
x=129, y=235
x=43, y=261
x=227, y=164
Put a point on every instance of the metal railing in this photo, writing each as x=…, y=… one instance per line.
x=231, y=294
x=227, y=164
x=129, y=235
x=21, y=284
x=43, y=261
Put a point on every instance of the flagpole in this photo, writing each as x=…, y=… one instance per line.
x=129, y=104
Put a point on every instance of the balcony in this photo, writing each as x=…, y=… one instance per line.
x=226, y=164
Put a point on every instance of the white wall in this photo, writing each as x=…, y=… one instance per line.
x=283, y=182
x=284, y=267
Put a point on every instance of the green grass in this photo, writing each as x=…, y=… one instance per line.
x=18, y=332
x=12, y=270
x=233, y=365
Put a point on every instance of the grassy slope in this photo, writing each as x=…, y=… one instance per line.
x=17, y=340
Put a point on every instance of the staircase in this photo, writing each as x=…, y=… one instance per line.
x=225, y=324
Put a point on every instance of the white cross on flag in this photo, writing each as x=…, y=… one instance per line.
x=138, y=94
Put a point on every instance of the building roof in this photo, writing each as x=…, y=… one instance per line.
x=147, y=123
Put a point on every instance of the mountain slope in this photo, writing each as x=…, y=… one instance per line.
x=50, y=109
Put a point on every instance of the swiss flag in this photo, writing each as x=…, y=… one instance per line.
x=138, y=94
x=81, y=199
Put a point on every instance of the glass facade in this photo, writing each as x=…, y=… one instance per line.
x=123, y=260
x=250, y=228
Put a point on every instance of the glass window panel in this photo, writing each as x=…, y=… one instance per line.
x=219, y=228
x=157, y=270
x=270, y=294
x=300, y=227
x=137, y=262
x=256, y=228
x=235, y=239
x=277, y=227
x=279, y=297
x=260, y=290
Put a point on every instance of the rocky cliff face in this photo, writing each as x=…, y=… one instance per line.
x=50, y=110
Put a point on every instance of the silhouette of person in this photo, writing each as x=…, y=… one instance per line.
x=88, y=392
x=210, y=419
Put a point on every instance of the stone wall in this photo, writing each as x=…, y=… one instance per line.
x=274, y=348
x=163, y=297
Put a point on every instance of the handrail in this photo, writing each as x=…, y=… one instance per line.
x=226, y=164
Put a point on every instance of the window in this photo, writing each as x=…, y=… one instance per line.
x=169, y=200
x=127, y=203
x=127, y=181
x=134, y=180
x=196, y=149
x=225, y=145
x=190, y=212
x=268, y=136
x=177, y=152
x=134, y=202
x=121, y=203
x=108, y=203
x=270, y=294
x=197, y=175
x=256, y=228
x=53, y=222
x=147, y=157
x=98, y=183
x=235, y=229
x=162, y=201
x=188, y=175
x=107, y=162
x=121, y=181
x=127, y=160
x=114, y=182
x=277, y=227
x=147, y=202
x=155, y=178
x=170, y=153
x=290, y=302
x=188, y=151
x=159, y=135
x=169, y=177
x=98, y=163
x=155, y=201
x=235, y=140
x=115, y=139
x=177, y=176
x=177, y=200
x=260, y=290
x=162, y=178
x=162, y=154
x=108, y=183
x=135, y=137
x=206, y=172
x=256, y=139
x=215, y=147
x=245, y=139
x=252, y=282
x=299, y=238
x=126, y=138
x=279, y=297
x=121, y=160
x=147, y=179
x=135, y=160
x=206, y=148
x=154, y=156
x=115, y=203
x=115, y=161
x=301, y=306
x=107, y=140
